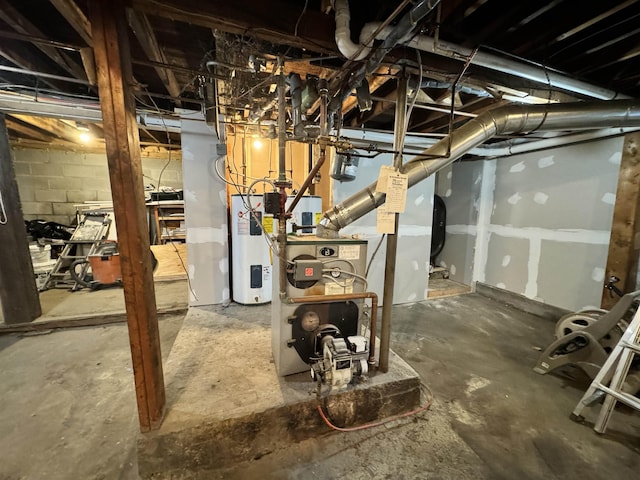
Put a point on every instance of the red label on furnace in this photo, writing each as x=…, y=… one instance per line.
x=308, y=272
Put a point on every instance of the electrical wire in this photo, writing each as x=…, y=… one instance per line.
x=331, y=425
x=166, y=129
x=366, y=272
x=413, y=101
x=184, y=267
x=353, y=274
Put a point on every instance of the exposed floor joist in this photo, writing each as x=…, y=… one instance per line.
x=143, y=31
x=22, y=25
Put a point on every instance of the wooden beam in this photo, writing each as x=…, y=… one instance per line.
x=274, y=21
x=113, y=62
x=80, y=23
x=23, y=129
x=20, y=24
x=22, y=61
x=76, y=18
x=18, y=293
x=624, y=249
x=52, y=125
x=144, y=33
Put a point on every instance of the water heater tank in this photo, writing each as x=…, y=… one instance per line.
x=251, y=259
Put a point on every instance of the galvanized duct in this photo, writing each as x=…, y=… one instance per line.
x=506, y=120
x=535, y=73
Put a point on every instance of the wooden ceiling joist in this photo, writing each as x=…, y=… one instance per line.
x=76, y=18
x=23, y=129
x=80, y=23
x=19, y=60
x=22, y=25
x=54, y=126
x=143, y=31
x=273, y=21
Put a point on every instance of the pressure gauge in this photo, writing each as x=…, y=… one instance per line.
x=310, y=321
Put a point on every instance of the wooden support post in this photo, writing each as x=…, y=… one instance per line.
x=624, y=244
x=18, y=292
x=113, y=63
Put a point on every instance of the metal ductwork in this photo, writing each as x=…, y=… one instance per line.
x=393, y=36
x=506, y=120
x=535, y=73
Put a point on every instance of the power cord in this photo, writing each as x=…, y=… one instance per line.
x=379, y=423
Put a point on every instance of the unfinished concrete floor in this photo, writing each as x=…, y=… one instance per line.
x=68, y=407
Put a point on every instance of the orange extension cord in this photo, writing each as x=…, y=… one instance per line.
x=374, y=424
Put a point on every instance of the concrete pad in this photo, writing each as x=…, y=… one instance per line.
x=226, y=404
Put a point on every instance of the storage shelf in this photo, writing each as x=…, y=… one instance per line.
x=168, y=216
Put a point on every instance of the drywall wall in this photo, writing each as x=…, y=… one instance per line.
x=461, y=193
x=414, y=235
x=205, y=202
x=52, y=181
x=543, y=221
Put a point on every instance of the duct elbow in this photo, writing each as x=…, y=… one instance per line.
x=326, y=231
x=343, y=33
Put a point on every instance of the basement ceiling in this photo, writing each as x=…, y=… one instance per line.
x=222, y=55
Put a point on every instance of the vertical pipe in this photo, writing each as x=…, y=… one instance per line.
x=392, y=240
x=282, y=130
x=324, y=131
x=282, y=182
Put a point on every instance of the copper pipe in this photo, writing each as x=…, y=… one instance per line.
x=307, y=181
x=350, y=296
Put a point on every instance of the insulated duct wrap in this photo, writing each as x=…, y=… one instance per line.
x=506, y=120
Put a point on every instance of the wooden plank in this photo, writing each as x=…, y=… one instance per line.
x=144, y=33
x=624, y=249
x=172, y=259
x=18, y=293
x=78, y=321
x=113, y=63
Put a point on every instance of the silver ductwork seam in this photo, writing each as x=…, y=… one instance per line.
x=506, y=120
x=539, y=74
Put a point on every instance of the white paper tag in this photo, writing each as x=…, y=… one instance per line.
x=266, y=273
x=385, y=221
x=349, y=252
x=332, y=288
x=397, y=185
x=383, y=176
x=243, y=226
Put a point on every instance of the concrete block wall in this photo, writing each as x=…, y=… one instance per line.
x=541, y=224
x=52, y=181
